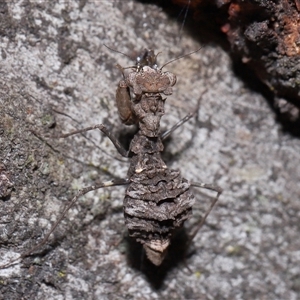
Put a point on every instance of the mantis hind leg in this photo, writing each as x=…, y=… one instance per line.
x=63, y=214
x=202, y=220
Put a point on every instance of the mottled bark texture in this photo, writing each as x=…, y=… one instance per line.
x=52, y=57
x=264, y=35
x=157, y=200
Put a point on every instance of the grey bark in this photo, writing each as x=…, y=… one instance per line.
x=53, y=59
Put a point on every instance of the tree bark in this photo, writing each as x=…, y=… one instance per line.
x=57, y=76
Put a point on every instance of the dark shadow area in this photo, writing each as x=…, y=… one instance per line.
x=125, y=134
x=176, y=255
x=250, y=79
x=289, y=126
x=201, y=27
x=252, y=82
x=5, y=198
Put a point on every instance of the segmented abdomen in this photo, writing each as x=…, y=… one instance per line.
x=154, y=207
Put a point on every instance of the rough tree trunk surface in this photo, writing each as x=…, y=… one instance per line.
x=53, y=59
x=264, y=35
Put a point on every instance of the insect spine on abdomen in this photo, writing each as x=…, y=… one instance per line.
x=157, y=199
